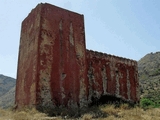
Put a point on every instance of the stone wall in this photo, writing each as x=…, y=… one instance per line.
x=56, y=70
x=112, y=75
x=27, y=81
x=52, y=61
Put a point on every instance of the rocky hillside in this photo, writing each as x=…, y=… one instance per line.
x=149, y=76
x=7, y=91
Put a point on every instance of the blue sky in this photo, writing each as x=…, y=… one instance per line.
x=126, y=28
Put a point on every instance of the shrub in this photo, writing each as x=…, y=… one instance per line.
x=147, y=103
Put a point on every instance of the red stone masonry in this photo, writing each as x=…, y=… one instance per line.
x=52, y=61
x=112, y=75
x=55, y=69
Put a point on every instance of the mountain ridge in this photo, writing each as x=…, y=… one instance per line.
x=149, y=76
x=7, y=91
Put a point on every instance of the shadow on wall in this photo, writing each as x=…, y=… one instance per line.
x=110, y=99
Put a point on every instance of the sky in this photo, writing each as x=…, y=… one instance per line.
x=125, y=28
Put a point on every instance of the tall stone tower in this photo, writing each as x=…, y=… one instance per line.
x=52, y=59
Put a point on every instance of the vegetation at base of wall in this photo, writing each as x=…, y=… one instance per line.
x=148, y=103
x=123, y=112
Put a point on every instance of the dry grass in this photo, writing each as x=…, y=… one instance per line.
x=122, y=113
x=26, y=114
x=126, y=113
x=87, y=117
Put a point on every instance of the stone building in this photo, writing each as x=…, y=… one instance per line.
x=55, y=68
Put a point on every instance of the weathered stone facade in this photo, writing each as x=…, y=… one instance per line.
x=112, y=75
x=55, y=69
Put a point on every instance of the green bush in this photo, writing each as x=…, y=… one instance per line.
x=147, y=103
x=157, y=103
